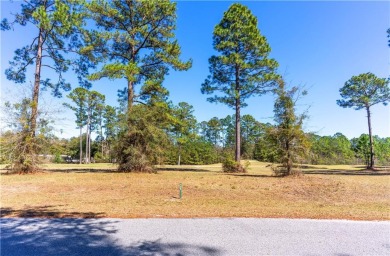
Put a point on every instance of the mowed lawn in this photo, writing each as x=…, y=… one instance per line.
x=324, y=192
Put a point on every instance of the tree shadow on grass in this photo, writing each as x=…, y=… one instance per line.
x=10, y=172
x=158, y=169
x=184, y=169
x=80, y=236
x=363, y=172
x=46, y=212
x=83, y=170
x=252, y=175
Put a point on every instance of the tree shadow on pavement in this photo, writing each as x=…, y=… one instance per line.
x=36, y=236
x=170, y=249
x=80, y=236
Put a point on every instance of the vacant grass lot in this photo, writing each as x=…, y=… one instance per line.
x=326, y=192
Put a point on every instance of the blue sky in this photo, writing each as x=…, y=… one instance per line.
x=319, y=45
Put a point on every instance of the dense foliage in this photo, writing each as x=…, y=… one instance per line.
x=133, y=41
x=290, y=140
x=208, y=143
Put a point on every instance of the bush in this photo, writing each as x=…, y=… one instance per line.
x=142, y=143
x=99, y=158
x=134, y=161
x=231, y=166
x=282, y=170
x=57, y=158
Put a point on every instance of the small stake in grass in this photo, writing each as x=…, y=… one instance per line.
x=180, y=190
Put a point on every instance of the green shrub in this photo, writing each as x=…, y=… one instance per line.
x=134, y=161
x=57, y=158
x=99, y=158
x=230, y=165
x=282, y=170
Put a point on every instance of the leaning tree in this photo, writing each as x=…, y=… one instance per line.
x=56, y=24
x=362, y=92
x=243, y=68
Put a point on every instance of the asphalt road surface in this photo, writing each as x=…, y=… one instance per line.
x=166, y=237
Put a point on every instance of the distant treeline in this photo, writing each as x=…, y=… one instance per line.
x=210, y=141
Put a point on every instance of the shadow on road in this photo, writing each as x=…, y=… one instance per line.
x=171, y=249
x=62, y=237
x=79, y=236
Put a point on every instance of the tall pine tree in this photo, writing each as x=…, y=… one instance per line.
x=362, y=92
x=56, y=23
x=79, y=97
x=242, y=69
x=135, y=41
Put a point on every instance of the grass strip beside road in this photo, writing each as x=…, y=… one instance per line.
x=99, y=191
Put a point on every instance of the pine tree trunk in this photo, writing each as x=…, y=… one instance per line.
x=178, y=162
x=86, y=142
x=29, y=137
x=81, y=145
x=37, y=81
x=130, y=83
x=289, y=160
x=130, y=95
x=238, y=132
x=371, y=162
x=89, y=146
x=238, y=120
x=101, y=138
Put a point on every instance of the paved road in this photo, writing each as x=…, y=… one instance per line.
x=237, y=236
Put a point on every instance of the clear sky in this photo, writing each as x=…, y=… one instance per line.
x=319, y=45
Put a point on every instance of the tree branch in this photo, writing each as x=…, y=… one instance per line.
x=148, y=35
x=48, y=66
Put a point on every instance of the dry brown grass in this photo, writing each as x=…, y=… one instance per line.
x=326, y=193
